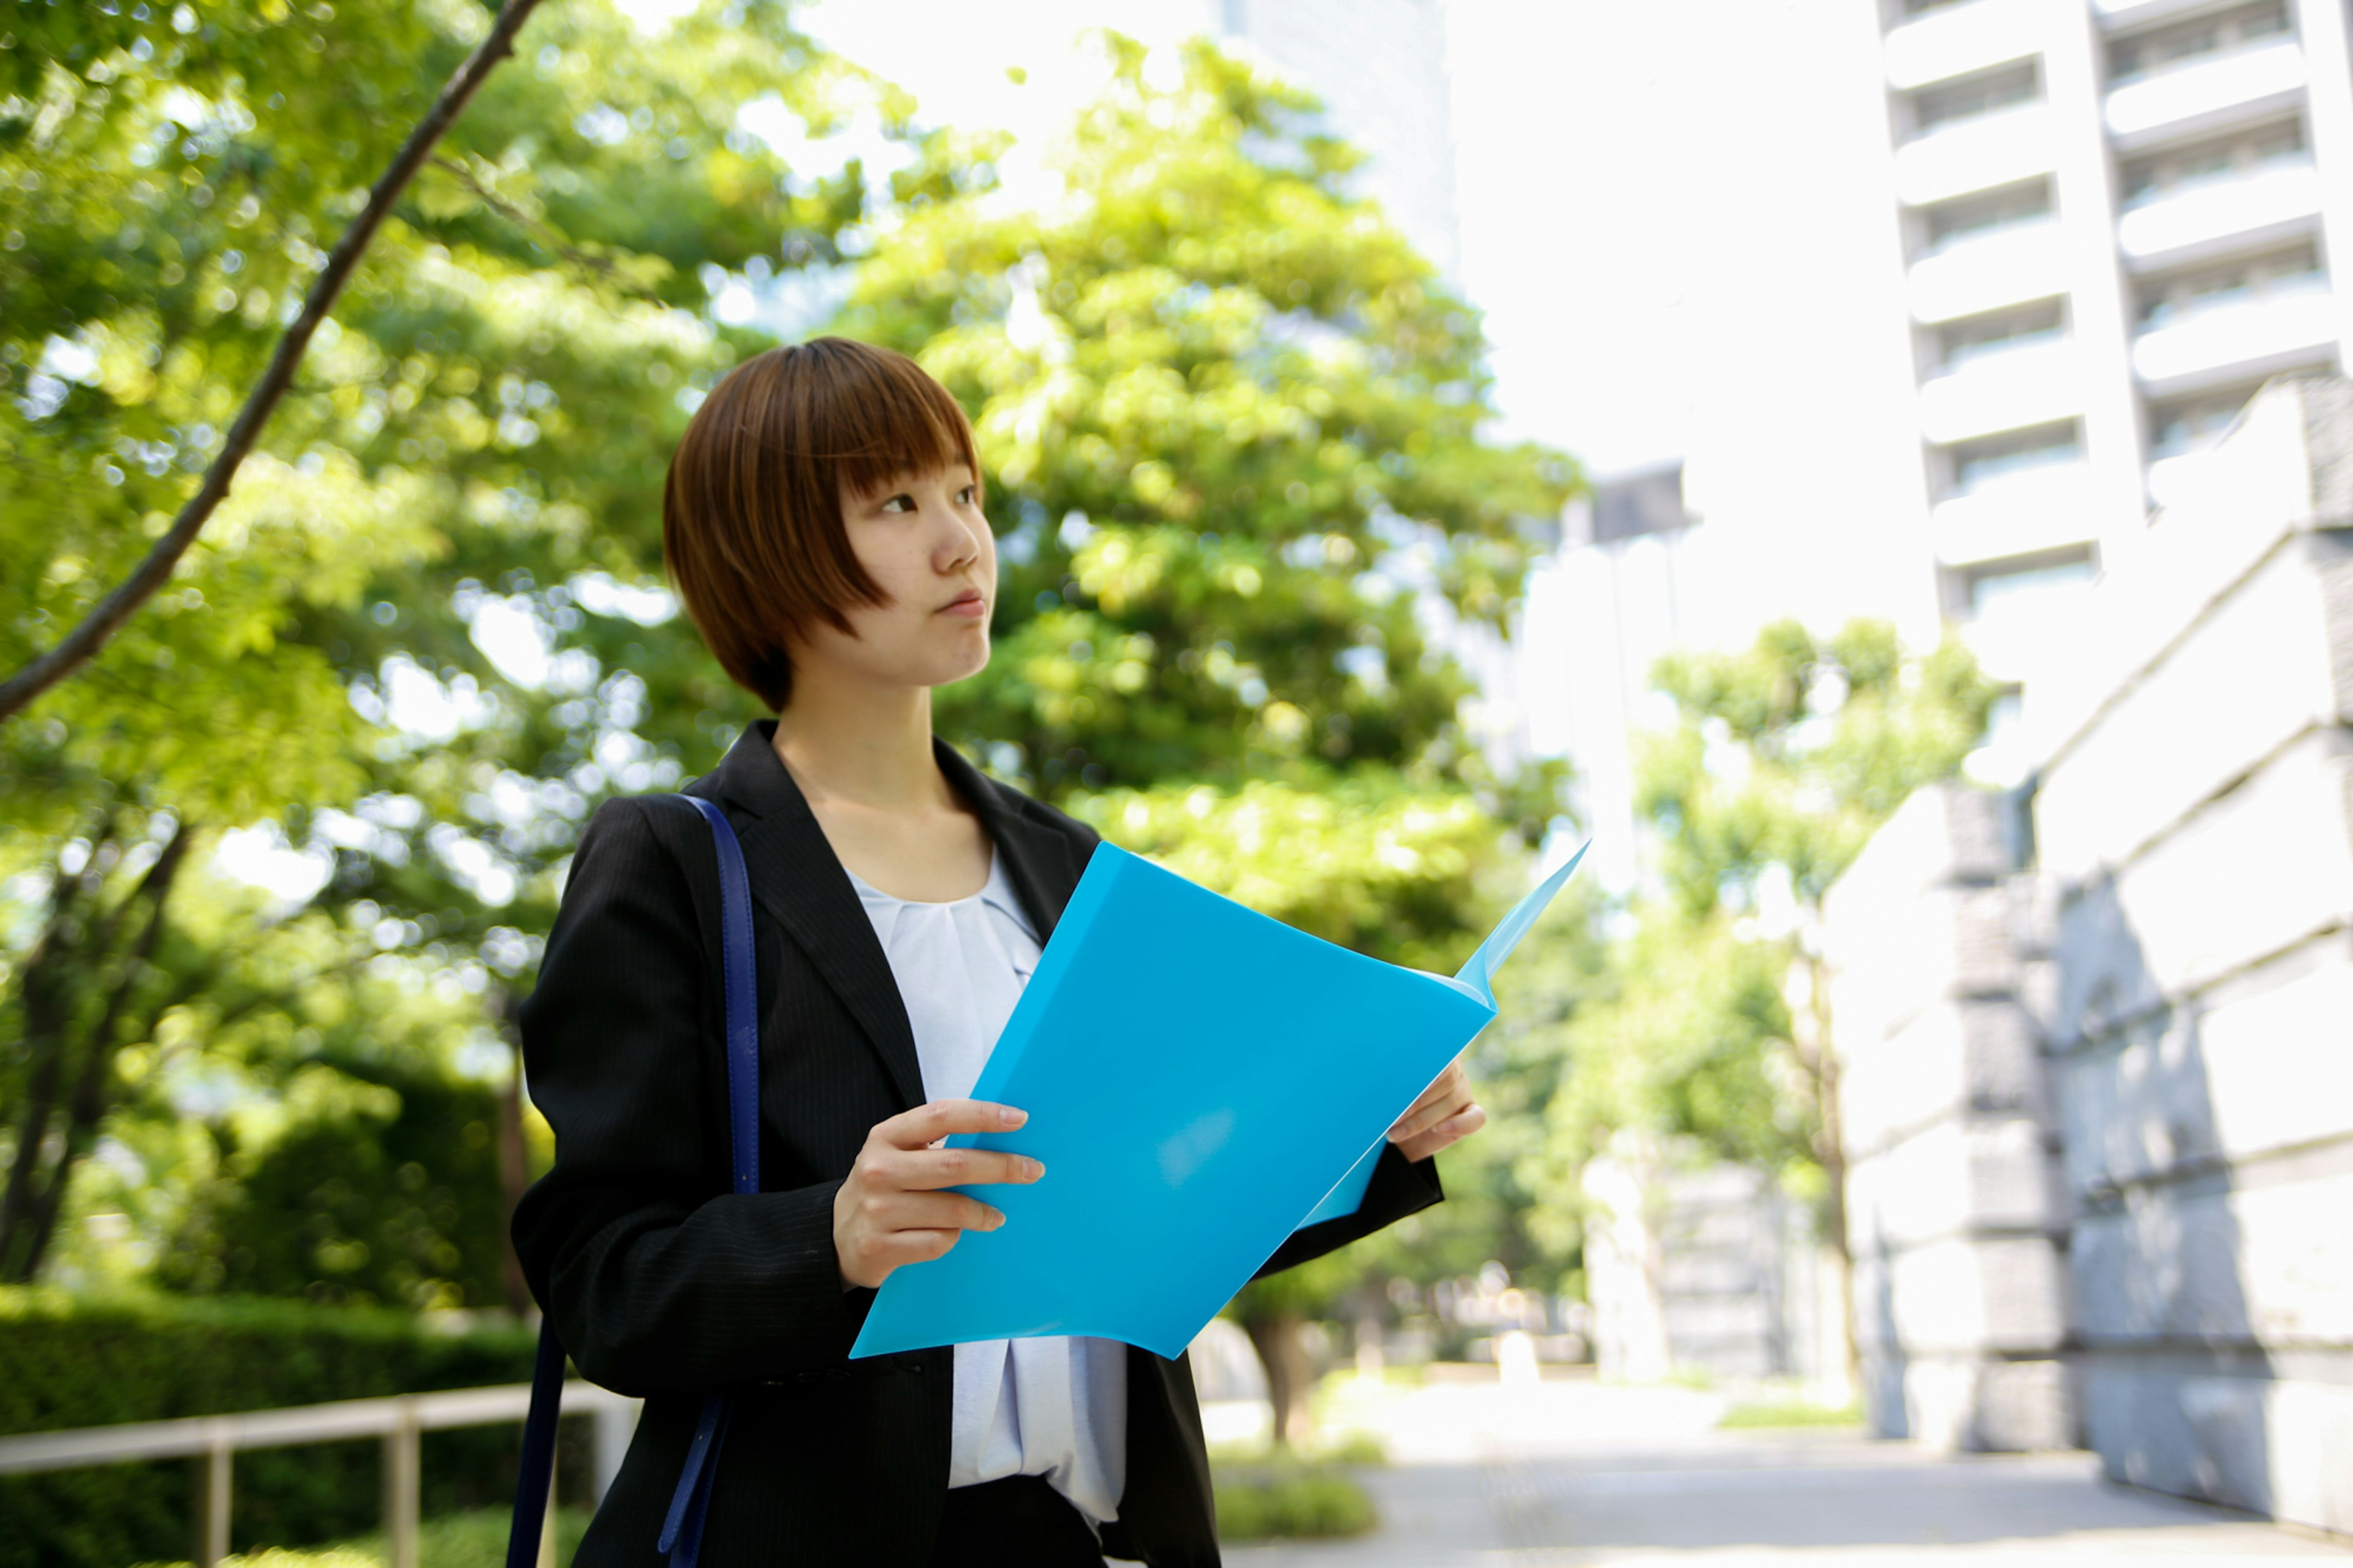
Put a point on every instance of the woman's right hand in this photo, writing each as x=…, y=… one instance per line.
x=891, y=1211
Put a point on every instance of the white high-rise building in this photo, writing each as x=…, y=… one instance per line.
x=1379, y=66
x=2118, y=219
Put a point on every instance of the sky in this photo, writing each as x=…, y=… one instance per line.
x=1621, y=170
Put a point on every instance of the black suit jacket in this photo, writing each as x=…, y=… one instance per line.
x=664, y=1283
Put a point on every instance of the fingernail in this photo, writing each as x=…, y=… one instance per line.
x=1010, y=1117
x=995, y=1218
x=1034, y=1168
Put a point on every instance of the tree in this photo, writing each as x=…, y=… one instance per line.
x=424, y=635
x=1232, y=424
x=79, y=646
x=1784, y=759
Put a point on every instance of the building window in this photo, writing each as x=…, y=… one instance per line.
x=1975, y=337
x=2248, y=26
x=2228, y=157
x=1954, y=222
x=1976, y=464
x=2163, y=301
x=2010, y=585
x=2194, y=424
x=1933, y=108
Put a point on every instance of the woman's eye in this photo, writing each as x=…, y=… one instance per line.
x=968, y=495
x=900, y=503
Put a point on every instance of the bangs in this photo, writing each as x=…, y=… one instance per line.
x=886, y=420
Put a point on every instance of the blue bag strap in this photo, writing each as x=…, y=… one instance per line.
x=682, y=1534
x=538, y=1470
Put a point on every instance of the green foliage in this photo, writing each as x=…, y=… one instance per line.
x=385, y=1194
x=1677, y=1041
x=1787, y=757
x=1791, y=1411
x=476, y=1539
x=475, y=443
x=1231, y=420
x=1361, y=858
x=1279, y=1499
x=69, y=1361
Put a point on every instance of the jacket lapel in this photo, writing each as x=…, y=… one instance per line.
x=800, y=881
x=797, y=878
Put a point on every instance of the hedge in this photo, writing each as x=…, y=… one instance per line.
x=75, y=1361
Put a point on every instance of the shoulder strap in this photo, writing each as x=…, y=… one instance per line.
x=681, y=1535
x=739, y=979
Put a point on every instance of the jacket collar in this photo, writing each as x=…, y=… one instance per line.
x=796, y=876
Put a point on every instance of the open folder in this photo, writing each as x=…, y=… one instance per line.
x=1201, y=1080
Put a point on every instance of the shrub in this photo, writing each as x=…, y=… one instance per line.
x=69, y=1361
x=1290, y=1498
x=476, y=1540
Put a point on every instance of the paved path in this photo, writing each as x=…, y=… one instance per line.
x=1571, y=1473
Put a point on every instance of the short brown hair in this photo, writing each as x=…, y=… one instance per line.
x=751, y=526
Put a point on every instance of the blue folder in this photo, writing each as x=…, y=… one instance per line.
x=1201, y=1080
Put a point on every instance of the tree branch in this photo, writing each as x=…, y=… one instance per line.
x=545, y=233
x=79, y=646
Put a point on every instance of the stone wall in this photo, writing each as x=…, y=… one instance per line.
x=2195, y=815
x=1953, y=1211
x=2098, y=1035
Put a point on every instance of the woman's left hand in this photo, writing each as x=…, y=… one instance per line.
x=1444, y=1114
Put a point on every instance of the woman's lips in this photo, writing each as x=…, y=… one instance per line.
x=969, y=604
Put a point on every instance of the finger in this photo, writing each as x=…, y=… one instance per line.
x=894, y=1212
x=929, y=1123
x=1422, y=1118
x=1445, y=1134
x=920, y=1170
x=1450, y=1082
x=903, y=1247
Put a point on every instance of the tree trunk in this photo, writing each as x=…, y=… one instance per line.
x=76, y=953
x=1276, y=1338
x=1830, y=1152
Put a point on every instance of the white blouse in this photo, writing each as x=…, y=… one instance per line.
x=1053, y=1407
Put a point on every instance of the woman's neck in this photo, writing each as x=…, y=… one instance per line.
x=852, y=742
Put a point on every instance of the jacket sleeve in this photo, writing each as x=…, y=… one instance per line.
x=1399, y=1187
x=656, y=1277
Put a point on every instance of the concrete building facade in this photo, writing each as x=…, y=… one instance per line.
x=2118, y=219
x=2098, y=1032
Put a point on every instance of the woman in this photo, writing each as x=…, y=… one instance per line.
x=823, y=523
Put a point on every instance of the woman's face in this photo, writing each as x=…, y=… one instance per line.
x=923, y=542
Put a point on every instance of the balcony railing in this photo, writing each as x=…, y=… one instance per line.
x=2287, y=326
x=2210, y=92
x=2221, y=214
x=1955, y=40
x=2026, y=511
x=1979, y=153
x=1988, y=271
x=2037, y=380
x=2116, y=15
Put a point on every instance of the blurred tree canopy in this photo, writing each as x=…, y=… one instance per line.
x=1232, y=426
x=426, y=633
x=1710, y=1028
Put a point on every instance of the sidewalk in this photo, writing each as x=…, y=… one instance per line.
x=1573, y=1473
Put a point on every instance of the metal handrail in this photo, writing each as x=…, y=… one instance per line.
x=399, y=1419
